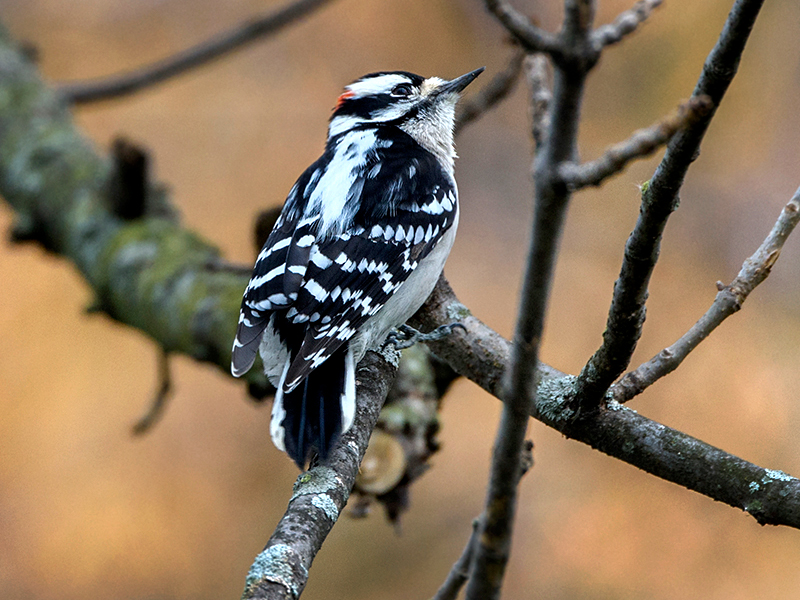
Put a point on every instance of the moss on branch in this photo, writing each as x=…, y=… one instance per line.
x=149, y=273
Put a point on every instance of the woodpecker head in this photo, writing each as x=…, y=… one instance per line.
x=423, y=108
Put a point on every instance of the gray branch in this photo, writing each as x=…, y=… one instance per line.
x=550, y=208
x=459, y=573
x=280, y=571
x=729, y=300
x=659, y=199
x=531, y=37
x=482, y=355
x=123, y=84
x=535, y=68
x=625, y=24
x=640, y=144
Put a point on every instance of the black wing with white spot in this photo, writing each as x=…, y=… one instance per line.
x=350, y=278
x=325, y=287
x=277, y=275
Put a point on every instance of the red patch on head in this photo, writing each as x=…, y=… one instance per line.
x=343, y=98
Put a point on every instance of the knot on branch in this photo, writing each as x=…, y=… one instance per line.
x=736, y=295
x=579, y=58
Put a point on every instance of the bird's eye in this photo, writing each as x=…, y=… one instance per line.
x=401, y=89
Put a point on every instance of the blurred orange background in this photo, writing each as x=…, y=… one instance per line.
x=87, y=511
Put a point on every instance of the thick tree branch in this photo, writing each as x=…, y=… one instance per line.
x=480, y=354
x=550, y=208
x=280, y=571
x=106, y=88
x=659, y=199
x=625, y=24
x=149, y=272
x=640, y=144
x=729, y=300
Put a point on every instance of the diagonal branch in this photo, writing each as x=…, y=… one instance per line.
x=550, y=208
x=626, y=23
x=280, y=571
x=640, y=144
x=496, y=90
x=134, y=81
x=459, y=573
x=159, y=403
x=728, y=301
x=532, y=38
x=659, y=199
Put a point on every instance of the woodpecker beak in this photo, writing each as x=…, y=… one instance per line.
x=457, y=85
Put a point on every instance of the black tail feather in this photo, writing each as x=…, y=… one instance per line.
x=313, y=418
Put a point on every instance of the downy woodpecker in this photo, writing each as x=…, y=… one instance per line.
x=357, y=249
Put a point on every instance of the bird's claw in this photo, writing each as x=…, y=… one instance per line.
x=405, y=336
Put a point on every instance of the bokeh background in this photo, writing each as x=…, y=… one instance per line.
x=88, y=511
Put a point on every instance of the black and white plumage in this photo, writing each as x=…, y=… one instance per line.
x=357, y=249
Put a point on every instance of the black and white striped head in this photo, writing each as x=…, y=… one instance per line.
x=423, y=108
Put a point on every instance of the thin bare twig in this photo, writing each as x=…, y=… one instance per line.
x=640, y=144
x=550, y=207
x=459, y=574
x=133, y=81
x=729, y=300
x=659, y=199
x=535, y=67
x=626, y=23
x=492, y=93
x=159, y=403
x=532, y=38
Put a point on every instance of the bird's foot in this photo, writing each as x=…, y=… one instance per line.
x=406, y=336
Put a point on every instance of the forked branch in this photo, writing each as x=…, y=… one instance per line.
x=480, y=354
x=659, y=199
x=550, y=207
x=729, y=300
